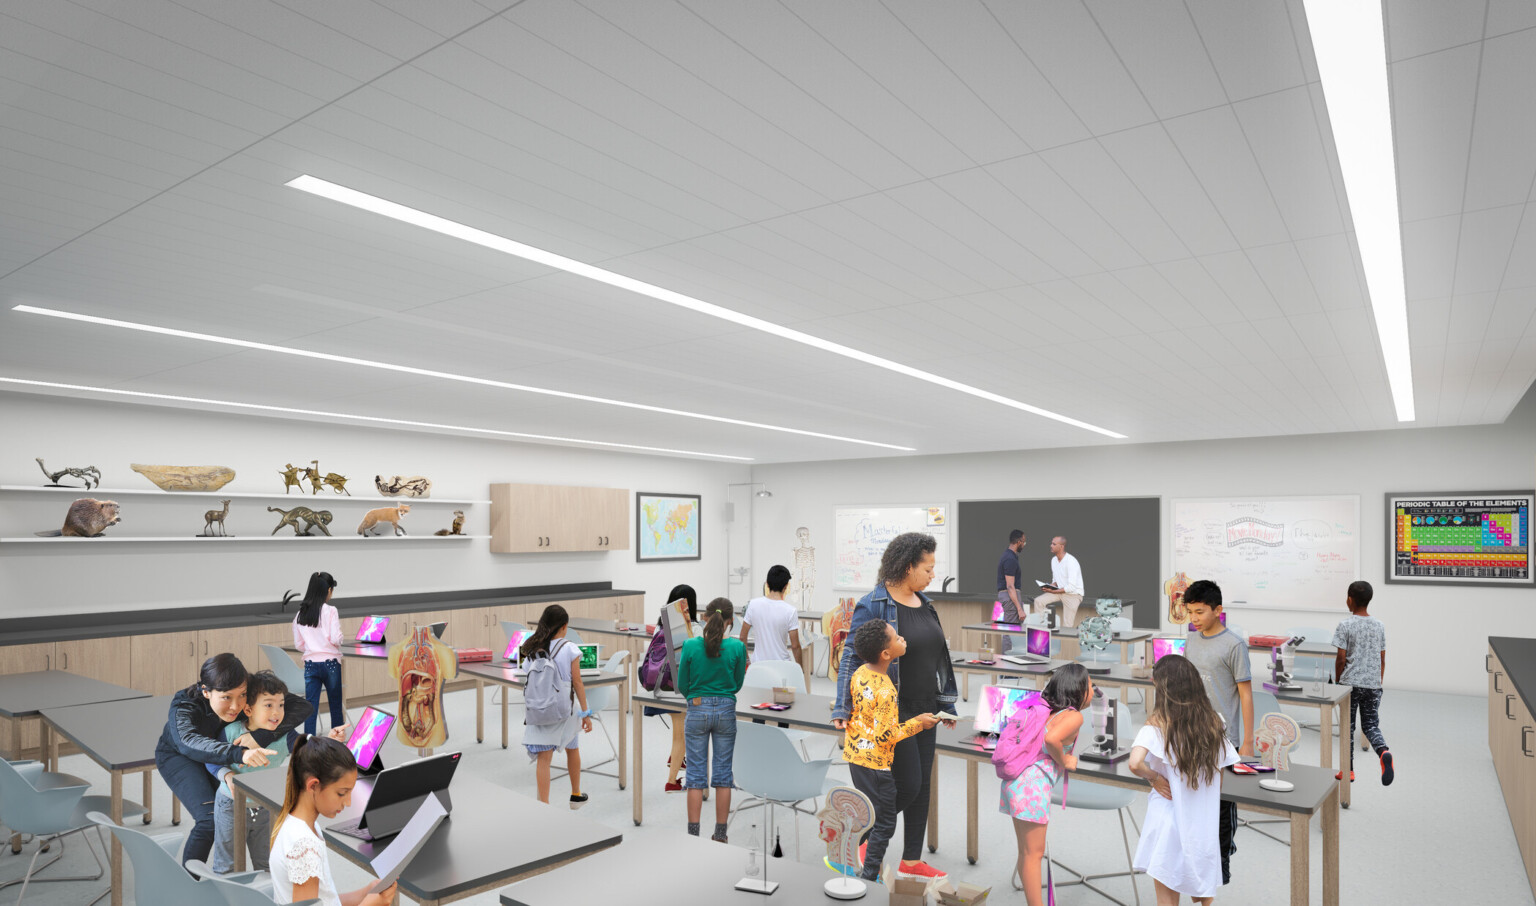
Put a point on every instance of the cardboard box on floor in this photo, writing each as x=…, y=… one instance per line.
x=963, y=895
x=908, y=892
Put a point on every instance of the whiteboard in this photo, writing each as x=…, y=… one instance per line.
x=1282, y=553
x=860, y=534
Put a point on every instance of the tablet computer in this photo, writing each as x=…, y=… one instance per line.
x=372, y=630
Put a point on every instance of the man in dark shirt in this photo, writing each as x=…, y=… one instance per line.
x=1009, y=579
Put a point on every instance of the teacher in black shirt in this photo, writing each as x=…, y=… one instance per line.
x=1010, y=581
x=924, y=678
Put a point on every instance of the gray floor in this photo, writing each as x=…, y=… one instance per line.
x=1439, y=834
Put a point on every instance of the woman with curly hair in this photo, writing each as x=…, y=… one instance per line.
x=924, y=678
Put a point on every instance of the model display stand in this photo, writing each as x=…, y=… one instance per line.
x=844, y=818
x=756, y=878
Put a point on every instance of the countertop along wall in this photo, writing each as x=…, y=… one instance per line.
x=66, y=579
x=1436, y=636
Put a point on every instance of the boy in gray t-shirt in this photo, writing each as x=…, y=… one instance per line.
x=1360, y=663
x=1222, y=659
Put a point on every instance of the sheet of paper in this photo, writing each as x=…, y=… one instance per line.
x=398, y=854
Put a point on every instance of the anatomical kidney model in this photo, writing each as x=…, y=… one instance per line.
x=421, y=665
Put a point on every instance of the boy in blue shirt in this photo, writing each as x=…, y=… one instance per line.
x=266, y=701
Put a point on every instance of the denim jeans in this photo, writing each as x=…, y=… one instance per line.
x=326, y=674
x=258, y=832
x=711, y=724
x=191, y=783
x=880, y=787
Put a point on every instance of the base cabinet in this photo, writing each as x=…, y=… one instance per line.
x=1512, y=742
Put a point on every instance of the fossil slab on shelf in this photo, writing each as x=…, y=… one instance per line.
x=186, y=478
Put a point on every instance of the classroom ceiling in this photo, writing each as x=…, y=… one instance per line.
x=1127, y=213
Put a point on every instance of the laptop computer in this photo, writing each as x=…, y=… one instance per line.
x=398, y=792
x=368, y=736
x=996, y=705
x=1037, y=647
x=515, y=642
x=589, y=660
x=372, y=630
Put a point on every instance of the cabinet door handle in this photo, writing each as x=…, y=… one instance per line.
x=65, y=656
x=1487, y=667
x=1496, y=675
x=1509, y=701
x=1525, y=742
x=192, y=649
x=546, y=541
x=205, y=647
x=47, y=662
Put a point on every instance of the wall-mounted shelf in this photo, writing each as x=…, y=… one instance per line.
x=197, y=539
x=221, y=495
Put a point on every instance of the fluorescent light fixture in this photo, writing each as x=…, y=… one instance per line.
x=442, y=375
x=366, y=202
x=372, y=419
x=1349, y=40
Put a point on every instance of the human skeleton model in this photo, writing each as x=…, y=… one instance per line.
x=805, y=568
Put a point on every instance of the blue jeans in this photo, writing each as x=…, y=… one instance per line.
x=258, y=834
x=710, y=724
x=325, y=674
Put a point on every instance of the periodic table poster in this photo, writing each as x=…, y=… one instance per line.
x=1468, y=538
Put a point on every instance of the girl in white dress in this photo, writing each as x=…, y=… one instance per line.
x=321, y=774
x=1181, y=752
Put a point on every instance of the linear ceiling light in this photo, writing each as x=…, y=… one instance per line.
x=370, y=418
x=1349, y=41
x=443, y=375
x=356, y=199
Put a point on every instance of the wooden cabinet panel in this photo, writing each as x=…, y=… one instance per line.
x=538, y=518
x=613, y=505
x=107, y=660
x=24, y=659
x=162, y=664
x=240, y=641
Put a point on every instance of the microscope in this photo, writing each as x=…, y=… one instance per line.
x=1282, y=666
x=1105, y=747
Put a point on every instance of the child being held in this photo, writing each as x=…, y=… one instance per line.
x=1026, y=796
x=873, y=730
x=1181, y=752
x=266, y=701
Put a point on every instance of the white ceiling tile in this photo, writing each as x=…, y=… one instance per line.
x=1521, y=270
x=1505, y=16
x=1334, y=269
x=1469, y=321
x=1433, y=101
x=1034, y=183
x=1194, y=281
x=1099, y=181
x=1483, y=248
x=1148, y=157
x=1502, y=161
x=1418, y=27
x=1251, y=44
x=1159, y=45
x=1213, y=144
x=1259, y=281
x=1429, y=255
x=1282, y=131
x=1428, y=322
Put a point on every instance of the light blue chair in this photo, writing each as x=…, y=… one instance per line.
x=259, y=880
x=283, y=666
x=157, y=874
x=241, y=895
x=51, y=807
x=606, y=698
x=1096, y=797
x=769, y=770
x=573, y=637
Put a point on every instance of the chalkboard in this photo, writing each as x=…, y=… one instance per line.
x=1115, y=539
x=860, y=534
x=1285, y=553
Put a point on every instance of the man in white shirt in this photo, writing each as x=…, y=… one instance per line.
x=775, y=620
x=1066, y=582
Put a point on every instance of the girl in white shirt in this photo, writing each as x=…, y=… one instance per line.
x=317, y=634
x=321, y=774
x=1181, y=751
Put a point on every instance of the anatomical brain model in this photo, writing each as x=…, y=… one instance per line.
x=1272, y=743
x=421, y=665
x=844, y=819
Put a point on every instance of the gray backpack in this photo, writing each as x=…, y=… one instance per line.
x=547, y=697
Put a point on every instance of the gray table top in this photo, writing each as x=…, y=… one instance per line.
x=119, y=736
x=1123, y=635
x=608, y=627
x=25, y=694
x=1312, y=783
x=493, y=836
x=962, y=660
x=1518, y=657
x=809, y=712
x=712, y=872
x=1120, y=674
x=501, y=672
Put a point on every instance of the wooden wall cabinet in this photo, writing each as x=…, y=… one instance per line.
x=1512, y=742
x=541, y=518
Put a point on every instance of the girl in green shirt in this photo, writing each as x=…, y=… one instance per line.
x=710, y=671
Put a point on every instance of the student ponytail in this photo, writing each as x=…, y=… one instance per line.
x=550, y=622
x=320, y=757
x=718, y=613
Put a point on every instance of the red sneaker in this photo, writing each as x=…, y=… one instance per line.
x=919, y=870
x=673, y=788
x=863, y=848
x=1339, y=775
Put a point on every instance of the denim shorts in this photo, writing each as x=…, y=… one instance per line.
x=710, y=724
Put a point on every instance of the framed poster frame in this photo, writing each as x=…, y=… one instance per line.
x=640, y=498
x=1455, y=503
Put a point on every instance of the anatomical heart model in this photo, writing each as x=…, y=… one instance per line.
x=421, y=665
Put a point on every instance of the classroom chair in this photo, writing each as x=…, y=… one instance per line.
x=234, y=894
x=1097, y=797
x=766, y=674
x=1264, y=702
x=158, y=876
x=285, y=668
x=51, y=807
x=769, y=770
x=600, y=699
x=259, y=880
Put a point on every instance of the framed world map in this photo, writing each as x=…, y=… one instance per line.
x=666, y=527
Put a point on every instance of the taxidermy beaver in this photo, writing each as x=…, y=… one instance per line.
x=87, y=518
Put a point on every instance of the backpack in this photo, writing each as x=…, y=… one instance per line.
x=1022, y=740
x=656, y=670
x=547, y=697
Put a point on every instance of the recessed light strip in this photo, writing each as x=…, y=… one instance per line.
x=393, y=210
x=371, y=419
x=442, y=375
x=1349, y=41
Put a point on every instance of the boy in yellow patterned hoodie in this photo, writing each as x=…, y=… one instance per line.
x=872, y=734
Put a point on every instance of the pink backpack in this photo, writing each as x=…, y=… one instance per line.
x=1022, y=740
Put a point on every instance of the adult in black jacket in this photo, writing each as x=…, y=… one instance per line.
x=194, y=739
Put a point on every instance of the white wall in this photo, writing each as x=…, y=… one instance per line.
x=39, y=578
x=1437, y=637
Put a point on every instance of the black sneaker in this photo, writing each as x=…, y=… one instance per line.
x=578, y=801
x=1386, y=768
